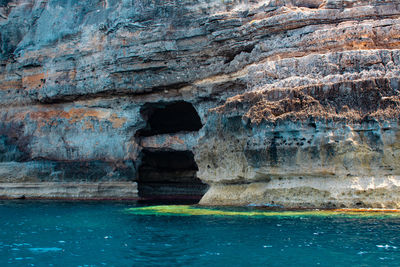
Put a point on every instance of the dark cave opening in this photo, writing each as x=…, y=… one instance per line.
x=164, y=118
x=169, y=174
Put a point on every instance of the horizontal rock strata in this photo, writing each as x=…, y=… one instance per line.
x=296, y=100
x=73, y=190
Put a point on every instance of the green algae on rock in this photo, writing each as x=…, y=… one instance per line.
x=186, y=210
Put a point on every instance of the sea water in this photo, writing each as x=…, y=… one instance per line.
x=127, y=234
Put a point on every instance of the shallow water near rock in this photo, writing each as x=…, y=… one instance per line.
x=41, y=233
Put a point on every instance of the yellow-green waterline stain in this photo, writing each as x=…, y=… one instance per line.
x=186, y=210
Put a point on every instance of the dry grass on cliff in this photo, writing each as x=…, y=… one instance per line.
x=350, y=101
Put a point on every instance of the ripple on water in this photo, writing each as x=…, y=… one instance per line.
x=386, y=246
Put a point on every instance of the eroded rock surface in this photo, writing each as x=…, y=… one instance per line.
x=298, y=99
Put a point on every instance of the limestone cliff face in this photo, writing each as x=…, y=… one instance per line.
x=287, y=102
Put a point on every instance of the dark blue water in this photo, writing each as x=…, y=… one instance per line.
x=102, y=234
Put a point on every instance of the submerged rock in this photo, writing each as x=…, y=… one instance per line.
x=292, y=103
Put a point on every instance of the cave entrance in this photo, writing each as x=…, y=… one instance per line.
x=169, y=175
x=169, y=118
x=165, y=173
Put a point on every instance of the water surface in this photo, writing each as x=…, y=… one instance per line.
x=112, y=234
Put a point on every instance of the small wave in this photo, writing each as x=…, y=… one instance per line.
x=44, y=250
x=20, y=244
x=386, y=246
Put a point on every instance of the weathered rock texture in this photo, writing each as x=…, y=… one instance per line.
x=298, y=99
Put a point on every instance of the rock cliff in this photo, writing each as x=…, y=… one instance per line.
x=269, y=102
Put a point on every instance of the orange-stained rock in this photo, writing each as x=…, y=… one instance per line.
x=34, y=81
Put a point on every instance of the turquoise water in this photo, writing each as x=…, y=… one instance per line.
x=111, y=234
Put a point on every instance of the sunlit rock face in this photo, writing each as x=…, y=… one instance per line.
x=295, y=102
